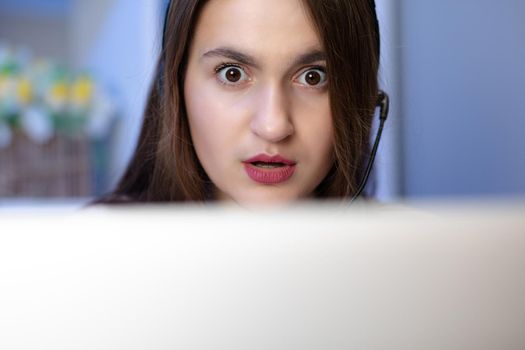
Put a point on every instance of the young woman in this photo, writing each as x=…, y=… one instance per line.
x=258, y=101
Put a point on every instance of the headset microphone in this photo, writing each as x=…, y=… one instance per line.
x=383, y=103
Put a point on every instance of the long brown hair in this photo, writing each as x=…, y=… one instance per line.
x=165, y=166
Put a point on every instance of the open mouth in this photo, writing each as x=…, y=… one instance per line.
x=266, y=165
x=269, y=170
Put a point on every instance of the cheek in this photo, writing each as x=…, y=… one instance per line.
x=204, y=112
x=210, y=121
x=316, y=128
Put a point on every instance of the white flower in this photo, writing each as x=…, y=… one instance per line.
x=101, y=115
x=37, y=124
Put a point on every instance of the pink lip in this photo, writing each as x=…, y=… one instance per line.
x=269, y=176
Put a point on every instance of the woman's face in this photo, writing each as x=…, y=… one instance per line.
x=257, y=100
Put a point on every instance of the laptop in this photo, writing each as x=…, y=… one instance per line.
x=311, y=277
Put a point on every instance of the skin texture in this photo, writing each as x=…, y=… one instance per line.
x=277, y=105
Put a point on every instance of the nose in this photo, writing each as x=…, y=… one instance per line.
x=271, y=119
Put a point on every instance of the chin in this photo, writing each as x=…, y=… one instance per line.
x=267, y=198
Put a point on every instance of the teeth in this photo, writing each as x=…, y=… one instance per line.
x=268, y=165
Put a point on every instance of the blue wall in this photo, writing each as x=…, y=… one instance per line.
x=123, y=54
x=40, y=7
x=462, y=97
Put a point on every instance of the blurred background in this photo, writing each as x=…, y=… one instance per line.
x=74, y=75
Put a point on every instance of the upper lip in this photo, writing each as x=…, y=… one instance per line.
x=265, y=158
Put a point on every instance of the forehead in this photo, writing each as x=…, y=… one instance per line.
x=262, y=27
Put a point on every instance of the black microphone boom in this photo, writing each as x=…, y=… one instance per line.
x=383, y=103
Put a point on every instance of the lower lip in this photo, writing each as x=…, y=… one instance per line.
x=269, y=176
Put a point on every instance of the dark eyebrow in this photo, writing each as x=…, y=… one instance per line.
x=309, y=58
x=233, y=55
x=304, y=59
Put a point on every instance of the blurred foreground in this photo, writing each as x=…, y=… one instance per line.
x=313, y=277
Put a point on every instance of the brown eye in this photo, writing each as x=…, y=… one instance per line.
x=313, y=78
x=233, y=75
